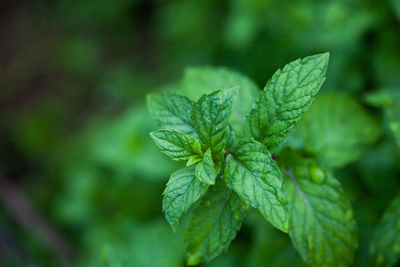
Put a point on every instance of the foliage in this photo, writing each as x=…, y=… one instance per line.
x=74, y=131
x=299, y=197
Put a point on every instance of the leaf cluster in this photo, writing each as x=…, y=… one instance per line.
x=242, y=150
x=229, y=166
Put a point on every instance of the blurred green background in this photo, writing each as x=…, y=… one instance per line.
x=81, y=181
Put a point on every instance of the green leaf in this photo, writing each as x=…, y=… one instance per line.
x=210, y=118
x=213, y=224
x=322, y=227
x=193, y=160
x=390, y=101
x=205, y=80
x=335, y=131
x=176, y=145
x=396, y=7
x=133, y=243
x=253, y=175
x=395, y=127
x=384, y=98
x=123, y=144
x=183, y=189
x=287, y=95
x=171, y=111
x=205, y=171
x=385, y=244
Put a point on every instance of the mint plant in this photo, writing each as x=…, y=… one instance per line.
x=227, y=137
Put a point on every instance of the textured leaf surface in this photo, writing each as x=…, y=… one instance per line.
x=193, y=160
x=385, y=244
x=210, y=118
x=183, y=189
x=287, y=95
x=336, y=130
x=199, y=81
x=322, y=227
x=213, y=224
x=205, y=171
x=253, y=175
x=176, y=145
x=171, y=111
